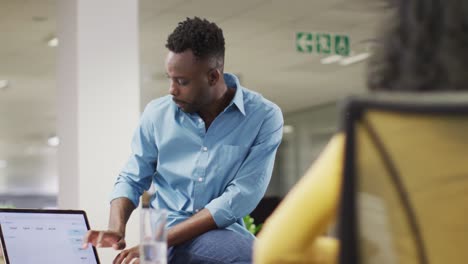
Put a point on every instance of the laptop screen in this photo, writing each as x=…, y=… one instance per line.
x=45, y=236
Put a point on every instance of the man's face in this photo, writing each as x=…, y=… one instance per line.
x=189, y=83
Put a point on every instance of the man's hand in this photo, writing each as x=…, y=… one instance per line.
x=120, y=211
x=127, y=255
x=108, y=238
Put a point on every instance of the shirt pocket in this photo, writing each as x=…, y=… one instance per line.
x=230, y=158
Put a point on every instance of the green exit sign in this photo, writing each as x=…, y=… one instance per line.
x=322, y=43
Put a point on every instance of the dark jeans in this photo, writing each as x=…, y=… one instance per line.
x=214, y=247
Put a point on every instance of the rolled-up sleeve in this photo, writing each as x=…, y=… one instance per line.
x=136, y=176
x=244, y=192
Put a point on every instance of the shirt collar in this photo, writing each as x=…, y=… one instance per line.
x=231, y=80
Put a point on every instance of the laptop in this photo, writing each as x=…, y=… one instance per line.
x=45, y=236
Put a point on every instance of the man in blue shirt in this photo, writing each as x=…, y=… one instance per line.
x=208, y=148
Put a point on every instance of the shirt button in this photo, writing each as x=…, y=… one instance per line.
x=205, y=149
x=197, y=210
x=200, y=179
x=200, y=120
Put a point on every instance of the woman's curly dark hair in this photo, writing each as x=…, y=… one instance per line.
x=204, y=38
x=425, y=48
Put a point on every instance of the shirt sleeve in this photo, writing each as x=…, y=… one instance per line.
x=136, y=176
x=307, y=211
x=244, y=192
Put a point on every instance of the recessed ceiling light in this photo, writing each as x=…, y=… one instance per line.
x=287, y=129
x=53, y=141
x=3, y=84
x=53, y=42
x=331, y=59
x=3, y=164
x=354, y=59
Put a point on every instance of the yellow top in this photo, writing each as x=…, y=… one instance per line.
x=428, y=155
x=292, y=233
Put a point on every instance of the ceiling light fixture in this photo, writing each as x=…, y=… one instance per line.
x=53, y=141
x=3, y=164
x=288, y=129
x=3, y=84
x=53, y=42
x=354, y=59
x=331, y=59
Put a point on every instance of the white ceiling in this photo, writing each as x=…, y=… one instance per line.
x=260, y=48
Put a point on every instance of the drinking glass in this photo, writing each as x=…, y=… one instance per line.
x=153, y=236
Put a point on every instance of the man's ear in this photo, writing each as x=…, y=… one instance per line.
x=213, y=76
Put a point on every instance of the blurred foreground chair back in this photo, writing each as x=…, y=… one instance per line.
x=405, y=188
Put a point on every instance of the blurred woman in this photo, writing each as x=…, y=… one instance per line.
x=423, y=49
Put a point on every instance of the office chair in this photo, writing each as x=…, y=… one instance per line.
x=405, y=187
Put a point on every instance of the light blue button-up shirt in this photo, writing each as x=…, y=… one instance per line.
x=225, y=169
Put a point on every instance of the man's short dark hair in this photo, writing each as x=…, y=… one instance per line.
x=204, y=38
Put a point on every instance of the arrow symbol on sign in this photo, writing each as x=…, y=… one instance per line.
x=304, y=42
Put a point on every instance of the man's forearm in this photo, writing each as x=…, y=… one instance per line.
x=196, y=225
x=121, y=209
